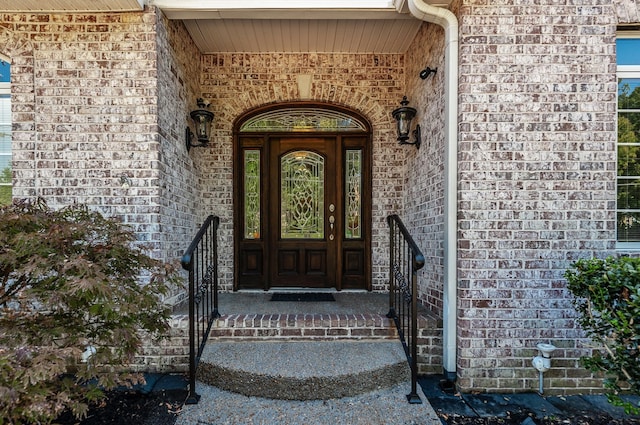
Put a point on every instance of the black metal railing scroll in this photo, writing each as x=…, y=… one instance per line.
x=405, y=261
x=201, y=261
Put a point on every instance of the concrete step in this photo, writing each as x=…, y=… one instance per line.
x=303, y=370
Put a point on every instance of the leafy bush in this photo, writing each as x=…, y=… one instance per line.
x=5, y=186
x=5, y=195
x=608, y=300
x=72, y=309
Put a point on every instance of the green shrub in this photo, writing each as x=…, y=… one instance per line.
x=5, y=187
x=608, y=301
x=5, y=195
x=70, y=284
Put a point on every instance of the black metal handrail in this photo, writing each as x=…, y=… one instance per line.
x=201, y=261
x=405, y=260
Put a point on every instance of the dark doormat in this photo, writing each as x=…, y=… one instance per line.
x=302, y=296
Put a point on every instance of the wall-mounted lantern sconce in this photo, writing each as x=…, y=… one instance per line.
x=403, y=115
x=202, y=119
x=427, y=71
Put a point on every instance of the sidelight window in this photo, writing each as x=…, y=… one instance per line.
x=252, y=194
x=353, y=193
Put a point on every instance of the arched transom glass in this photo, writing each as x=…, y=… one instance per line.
x=302, y=119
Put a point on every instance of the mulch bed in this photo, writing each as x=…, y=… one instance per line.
x=133, y=408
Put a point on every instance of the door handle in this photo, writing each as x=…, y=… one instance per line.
x=332, y=220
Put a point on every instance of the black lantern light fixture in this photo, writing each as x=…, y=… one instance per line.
x=424, y=74
x=403, y=115
x=202, y=119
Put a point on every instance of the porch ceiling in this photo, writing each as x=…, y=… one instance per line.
x=282, y=26
x=303, y=35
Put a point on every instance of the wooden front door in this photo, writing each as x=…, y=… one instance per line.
x=302, y=211
x=302, y=198
x=302, y=220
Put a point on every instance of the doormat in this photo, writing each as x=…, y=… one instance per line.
x=302, y=296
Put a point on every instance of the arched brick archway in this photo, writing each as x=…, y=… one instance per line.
x=275, y=93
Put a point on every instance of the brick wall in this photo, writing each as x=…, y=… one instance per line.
x=424, y=169
x=85, y=112
x=99, y=100
x=178, y=88
x=628, y=11
x=369, y=83
x=99, y=97
x=537, y=168
x=168, y=355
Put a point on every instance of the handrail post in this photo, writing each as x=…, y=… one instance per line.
x=216, y=312
x=201, y=260
x=392, y=312
x=413, y=397
x=192, y=396
x=405, y=259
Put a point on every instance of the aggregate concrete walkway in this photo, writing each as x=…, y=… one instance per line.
x=382, y=407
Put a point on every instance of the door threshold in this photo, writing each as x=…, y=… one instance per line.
x=277, y=289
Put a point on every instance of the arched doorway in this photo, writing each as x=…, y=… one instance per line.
x=302, y=197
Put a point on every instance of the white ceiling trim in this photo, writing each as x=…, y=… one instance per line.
x=272, y=4
x=262, y=13
x=287, y=9
x=300, y=26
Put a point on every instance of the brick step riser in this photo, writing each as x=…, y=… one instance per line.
x=303, y=326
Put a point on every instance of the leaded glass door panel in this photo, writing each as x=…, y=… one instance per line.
x=302, y=191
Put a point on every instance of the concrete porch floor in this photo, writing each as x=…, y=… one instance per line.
x=345, y=303
x=258, y=302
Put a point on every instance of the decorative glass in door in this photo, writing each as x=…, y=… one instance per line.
x=302, y=195
x=353, y=194
x=252, y=194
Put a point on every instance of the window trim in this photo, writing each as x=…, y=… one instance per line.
x=5, y=89
x=624, y=71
